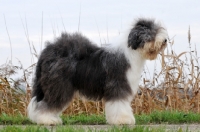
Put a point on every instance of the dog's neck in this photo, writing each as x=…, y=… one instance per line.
x=137, y=62
x=133, y=56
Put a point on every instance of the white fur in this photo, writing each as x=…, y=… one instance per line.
x=162, y=34
x=119, y=112
x=42, y=116
x=133, y=74
x=135, y=59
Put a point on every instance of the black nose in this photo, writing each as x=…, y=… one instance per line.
x=165, y=41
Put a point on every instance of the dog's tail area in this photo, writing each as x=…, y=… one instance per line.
x=37, y=88
x=37, y=94
x=32, y=109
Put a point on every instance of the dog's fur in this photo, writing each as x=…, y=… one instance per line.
x=74, y=64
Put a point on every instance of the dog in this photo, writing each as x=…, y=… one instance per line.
x=73, y=64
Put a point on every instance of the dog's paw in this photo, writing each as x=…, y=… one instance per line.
x=49, y=120
x=122, y=119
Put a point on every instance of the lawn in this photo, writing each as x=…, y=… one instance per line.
x=173, y=87
x=68, y=128
x=83, y=122
x=156, y=117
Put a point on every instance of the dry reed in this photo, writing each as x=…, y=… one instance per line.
x=175, y=86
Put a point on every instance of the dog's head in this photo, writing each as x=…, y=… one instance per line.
x=148, y=37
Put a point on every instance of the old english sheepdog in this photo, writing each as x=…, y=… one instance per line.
x=73, y=64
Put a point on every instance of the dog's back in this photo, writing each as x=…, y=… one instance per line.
x=72, y=63
x=60, y=57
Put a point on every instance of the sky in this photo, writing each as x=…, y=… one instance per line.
x=26, y=23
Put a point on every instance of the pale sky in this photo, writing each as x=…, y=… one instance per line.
x=107, y=17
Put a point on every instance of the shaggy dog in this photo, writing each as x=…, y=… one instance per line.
x=72, y=64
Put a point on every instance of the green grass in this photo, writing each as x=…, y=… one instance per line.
x=73, y=119
x=84, y=119
x=68, y=128
x=17, y=120
x=24, y=129
x=157, y=117
x=167, y=117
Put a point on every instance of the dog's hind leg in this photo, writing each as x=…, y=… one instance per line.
x=44, y=112
x=58, y=93
x=40, y=113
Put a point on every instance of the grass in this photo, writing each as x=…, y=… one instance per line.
x=168, y=117
x=17, y=120
x=84, y=119
x=174, y=86
x=171, y=96
x=88, y=129
x=156, y=117
x=24, y=129
x=80, y=119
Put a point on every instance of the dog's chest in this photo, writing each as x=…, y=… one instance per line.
x=133, y=75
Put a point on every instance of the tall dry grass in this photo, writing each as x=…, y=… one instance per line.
x=174, y=86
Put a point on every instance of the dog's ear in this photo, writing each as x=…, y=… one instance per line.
x=142, y=32
x=133, y=39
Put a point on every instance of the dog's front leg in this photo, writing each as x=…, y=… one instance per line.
x=119, y=112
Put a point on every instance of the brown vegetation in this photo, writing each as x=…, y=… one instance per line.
x=175, y=86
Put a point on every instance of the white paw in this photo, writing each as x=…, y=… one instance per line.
x=48, y=120
x=119, y=112
x=122, y=119
x=38, y=113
